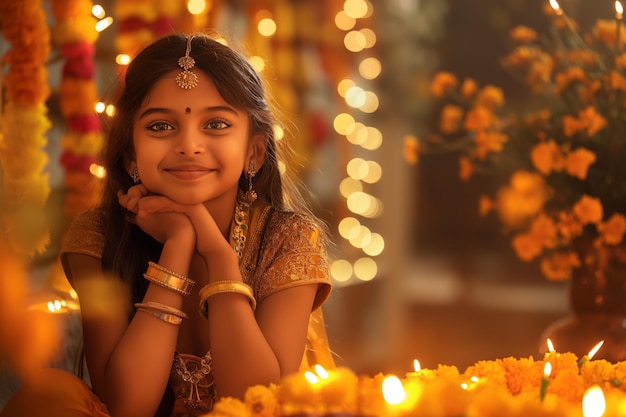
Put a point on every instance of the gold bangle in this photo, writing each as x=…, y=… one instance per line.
x=168, y=279
x=163, y=308
x=166, y=317
x=219, y=287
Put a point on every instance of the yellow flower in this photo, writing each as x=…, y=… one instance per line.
x=261, y=401
x=558, y=266
x=568, y=385
x=230, y=407
x=450, y=119
x=547, y=157
x=612, y=231
x=442, y=83
x=578, y=161
x=588, y=209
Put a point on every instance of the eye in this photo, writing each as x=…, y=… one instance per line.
x=218, y=124
x=159, y=126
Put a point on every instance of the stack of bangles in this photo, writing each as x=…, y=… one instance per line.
x=172, y=281
x=219, y=287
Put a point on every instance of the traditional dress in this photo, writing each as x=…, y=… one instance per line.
x=282, y=250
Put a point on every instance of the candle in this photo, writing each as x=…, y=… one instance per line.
x=619, y=10
x=591, y=354
x=547, y=370
x=594, y=403
x=559, y=12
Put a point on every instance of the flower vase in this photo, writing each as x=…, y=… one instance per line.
x=597, y=296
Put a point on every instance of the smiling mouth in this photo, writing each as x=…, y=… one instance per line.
x=189, y=173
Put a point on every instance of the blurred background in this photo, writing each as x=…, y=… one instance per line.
x=418, y=274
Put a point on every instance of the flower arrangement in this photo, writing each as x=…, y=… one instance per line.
x=564, y=203
x=23, y=124
x=503, y=387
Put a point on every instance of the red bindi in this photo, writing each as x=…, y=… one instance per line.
x=187, y=110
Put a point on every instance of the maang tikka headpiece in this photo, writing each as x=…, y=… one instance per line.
x=187, y=79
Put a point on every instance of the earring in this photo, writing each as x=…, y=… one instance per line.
x=251, y=195
x=135, y=176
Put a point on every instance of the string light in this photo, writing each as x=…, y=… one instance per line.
x=359, y=170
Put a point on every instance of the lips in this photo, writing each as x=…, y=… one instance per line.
x=188, y=172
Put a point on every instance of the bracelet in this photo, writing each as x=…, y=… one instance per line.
x=153, y=305
x=166, y=317
x=218, y=287
x=168, y=279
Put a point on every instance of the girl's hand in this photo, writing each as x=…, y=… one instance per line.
x=162, y=225
x=209, y=239
x=130, y=200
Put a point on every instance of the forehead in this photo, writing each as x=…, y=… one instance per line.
x=166, y=93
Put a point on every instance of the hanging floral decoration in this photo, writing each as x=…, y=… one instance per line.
x=74, y=34
x=142, y=21
x=23, y=124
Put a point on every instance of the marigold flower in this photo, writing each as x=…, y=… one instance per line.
x=620, y=61
x=547, y=157
x=605, y=31
x=451, y=117
x=569, y=226
x=543, y=230
x=568, y=385
x=578, y=161
x=468, y=88
x=526, y=246
x=490, y=96
x=571, y=125
x=588, y=209
x=442, y=83
x=566, y=78
x=491, y=141
x=558, y=266
x=522, y=199
x=478, y=119
x=261, y=401
x=612, y=231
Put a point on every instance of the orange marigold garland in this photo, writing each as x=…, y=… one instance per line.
x=75, y=35
x=23, y=124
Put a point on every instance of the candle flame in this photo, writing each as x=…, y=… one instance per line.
x=311, y=377
x=547, y=369
x=594, y=403
x=321, y=371
x=393, y=390
x=619, y=9
x=555, y=5
x=416, y=365
x=595, y=349
x=550, y=345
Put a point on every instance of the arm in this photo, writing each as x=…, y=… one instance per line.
x=129, y=362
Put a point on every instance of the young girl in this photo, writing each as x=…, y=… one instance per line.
x=222, y=263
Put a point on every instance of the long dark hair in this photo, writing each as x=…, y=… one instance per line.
x=127, y=248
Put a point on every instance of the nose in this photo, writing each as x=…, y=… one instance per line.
x=189, y=143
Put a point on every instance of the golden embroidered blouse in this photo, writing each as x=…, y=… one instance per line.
x=282, y=250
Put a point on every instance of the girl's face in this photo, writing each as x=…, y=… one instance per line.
x=191, y=145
